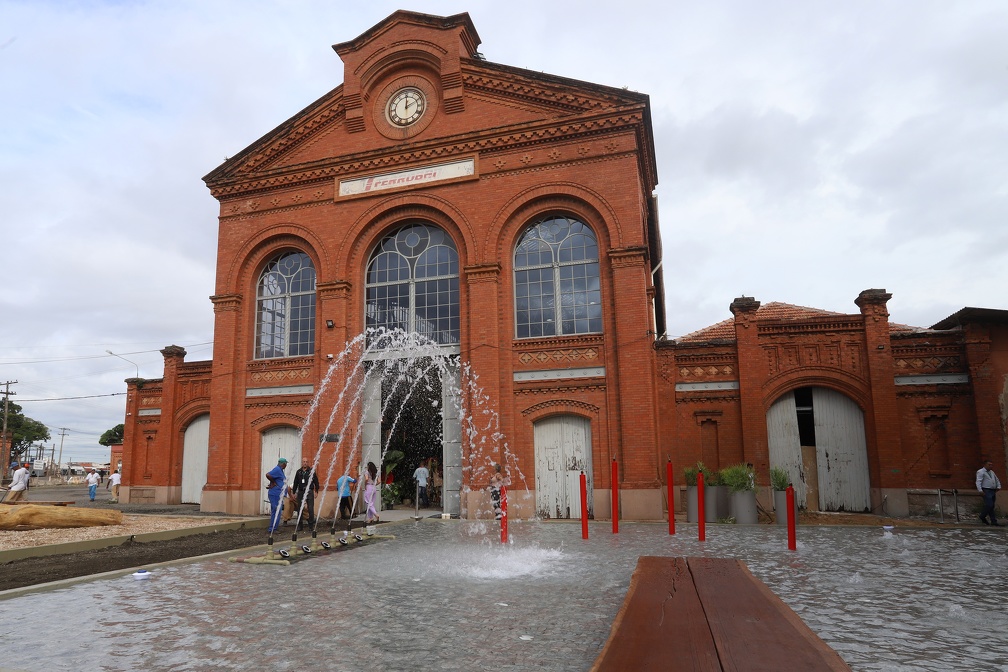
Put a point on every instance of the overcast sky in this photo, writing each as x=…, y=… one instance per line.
x=806, y=151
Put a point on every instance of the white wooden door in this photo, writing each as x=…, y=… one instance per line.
x=841, y=452
x=195, y=447
x=276, y=443
x=563, y=451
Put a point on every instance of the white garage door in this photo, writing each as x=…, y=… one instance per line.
x=563, y=451
x=195, y=446
x=841, y=453
x=276, y=443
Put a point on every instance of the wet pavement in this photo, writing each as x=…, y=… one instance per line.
x=447, y=595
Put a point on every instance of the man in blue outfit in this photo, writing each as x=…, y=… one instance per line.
x=343, y=485
x=277, y=479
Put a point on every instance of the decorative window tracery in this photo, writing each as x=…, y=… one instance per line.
x=285, y=307
x=413, y=283
x=557, y=285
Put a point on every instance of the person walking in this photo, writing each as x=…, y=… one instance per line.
x=988, y=484
x=92, y=480
x=19, y=484
x=421, y=475
x=343, y=486
x=277, y=480
x=370, y=489
x=306, y=486
x=114, y=480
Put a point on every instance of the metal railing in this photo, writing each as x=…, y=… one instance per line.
x=955, y=500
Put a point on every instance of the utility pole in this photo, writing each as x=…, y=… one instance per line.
x=7, y=445
x=59, y=464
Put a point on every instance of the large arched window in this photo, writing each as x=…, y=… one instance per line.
x=557, y=280
x=413, y=283
x=285, y=307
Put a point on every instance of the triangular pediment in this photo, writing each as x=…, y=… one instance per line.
x=467, y=99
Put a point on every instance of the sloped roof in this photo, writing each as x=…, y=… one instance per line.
x=501, y=102
x=774, y=311
x=969, y=314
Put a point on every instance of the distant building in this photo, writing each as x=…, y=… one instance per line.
x=862, y=412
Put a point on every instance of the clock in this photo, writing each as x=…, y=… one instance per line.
x=406, y=107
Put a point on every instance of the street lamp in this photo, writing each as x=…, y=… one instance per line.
x=125, y=360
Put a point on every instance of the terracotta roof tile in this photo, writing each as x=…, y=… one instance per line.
x=772, y=312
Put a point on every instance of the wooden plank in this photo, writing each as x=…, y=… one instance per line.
x=661, y=625
x=752, y=628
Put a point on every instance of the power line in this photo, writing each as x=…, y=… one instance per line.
x=85, y=357
x=90, y=396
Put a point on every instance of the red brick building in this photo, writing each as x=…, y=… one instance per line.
x=864, y=413
x=508, y=216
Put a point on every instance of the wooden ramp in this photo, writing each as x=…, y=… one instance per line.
x=708, y=614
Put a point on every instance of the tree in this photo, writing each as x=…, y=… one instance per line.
x=24, y=431
x=114, y=436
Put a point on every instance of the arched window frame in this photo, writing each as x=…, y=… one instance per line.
x=412, y=283
x=557, y=281
x=285, y=307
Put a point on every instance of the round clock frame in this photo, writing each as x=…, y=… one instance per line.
x=402, y=125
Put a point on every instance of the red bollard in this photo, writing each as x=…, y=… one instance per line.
x=504, y=534
x=615, y=497
x=792, y=543
x=701, y=523
x=671, y=498
x=584, y=506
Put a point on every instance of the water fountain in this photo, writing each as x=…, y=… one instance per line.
x=381, y=367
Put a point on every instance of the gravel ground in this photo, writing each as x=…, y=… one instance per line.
x=138, y=519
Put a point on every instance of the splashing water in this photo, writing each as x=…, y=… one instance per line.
x=384, y=370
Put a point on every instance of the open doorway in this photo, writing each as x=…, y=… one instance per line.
x=412, y=433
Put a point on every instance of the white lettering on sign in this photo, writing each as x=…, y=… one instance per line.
x=407, y=178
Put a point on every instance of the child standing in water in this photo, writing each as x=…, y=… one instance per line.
x=496, y=481
x=370, y=488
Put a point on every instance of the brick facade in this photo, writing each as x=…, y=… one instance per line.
x=537, y=145
x=933, y=399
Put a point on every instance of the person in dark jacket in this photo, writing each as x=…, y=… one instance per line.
x=306, y=483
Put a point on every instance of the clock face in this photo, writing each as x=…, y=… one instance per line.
x=406, y=106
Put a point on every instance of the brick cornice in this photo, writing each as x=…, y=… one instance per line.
x=334, y=289
x=540, y=96
x=226, y=302
x=561, y=403
x=627, y=256
x=482, y=273
x=437, y=150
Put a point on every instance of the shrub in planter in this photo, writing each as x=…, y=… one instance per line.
x=739, y=478
x=779, y=478
x=715, y=495
x=779, y=481
x=690, y=474
x=741, y=481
